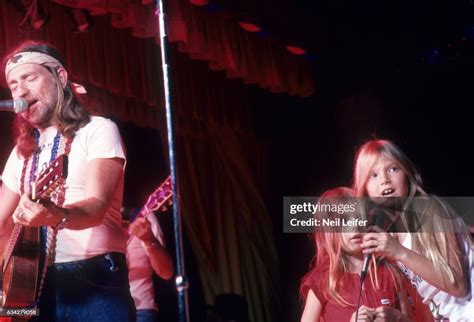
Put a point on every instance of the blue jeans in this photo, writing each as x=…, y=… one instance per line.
x=147, y=316
x=94, y=289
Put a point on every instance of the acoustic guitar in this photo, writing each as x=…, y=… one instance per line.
x=21, y=259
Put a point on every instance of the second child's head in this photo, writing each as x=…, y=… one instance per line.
x=337, y=250
x=334, y=246
x=381, y=169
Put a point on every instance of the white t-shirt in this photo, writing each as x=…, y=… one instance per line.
x=456, y=309
x=140, y=272
x=100, y=138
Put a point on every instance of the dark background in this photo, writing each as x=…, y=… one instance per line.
x=401, y=70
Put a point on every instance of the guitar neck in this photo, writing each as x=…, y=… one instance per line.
x=143, y=213
x=156, y=200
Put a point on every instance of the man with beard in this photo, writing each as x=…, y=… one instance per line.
x=86, y=277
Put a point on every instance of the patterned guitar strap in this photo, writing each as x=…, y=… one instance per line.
x=61, y=145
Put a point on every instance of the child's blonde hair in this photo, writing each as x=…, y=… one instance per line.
x=435, y=215
x=333, y=262
x=370, y=153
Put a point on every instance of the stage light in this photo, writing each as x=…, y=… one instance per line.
x=296, y=50
x=250, y=27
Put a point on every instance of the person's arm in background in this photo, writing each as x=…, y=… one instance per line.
x=160, y=259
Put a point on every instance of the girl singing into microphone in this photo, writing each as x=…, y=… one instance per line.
x=331, y=287
x=434, y=252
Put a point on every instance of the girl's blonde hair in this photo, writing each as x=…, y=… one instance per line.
x=435, y=215
x=370, y=153
x=333, y=262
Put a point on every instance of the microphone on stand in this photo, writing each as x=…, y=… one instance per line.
x=18, y=106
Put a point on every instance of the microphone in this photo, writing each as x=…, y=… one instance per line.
x=19, y=105
x=378, y=219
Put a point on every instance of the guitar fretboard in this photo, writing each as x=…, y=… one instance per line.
x=155, y=201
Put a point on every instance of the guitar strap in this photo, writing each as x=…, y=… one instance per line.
x=48, y=235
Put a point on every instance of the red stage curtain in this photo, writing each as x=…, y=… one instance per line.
x=218, y=153
x=223, y=165
x=123, y=72
x=213, y=37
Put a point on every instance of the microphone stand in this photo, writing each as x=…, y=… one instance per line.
x=181, y=281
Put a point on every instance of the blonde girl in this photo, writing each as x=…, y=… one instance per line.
x=437, y=257
x=330, y=289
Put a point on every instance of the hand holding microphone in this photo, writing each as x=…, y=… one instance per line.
x=378, y=220
x=379, y=241
x=18, y=106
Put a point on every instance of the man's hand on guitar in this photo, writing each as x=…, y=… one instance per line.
x=141, y=228
x=34, y=214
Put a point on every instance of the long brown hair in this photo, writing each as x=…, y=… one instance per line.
x=69, y=114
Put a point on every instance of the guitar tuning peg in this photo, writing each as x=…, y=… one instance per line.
x=170, y=202
x=164, y=208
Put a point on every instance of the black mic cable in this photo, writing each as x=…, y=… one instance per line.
x=378, y=219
